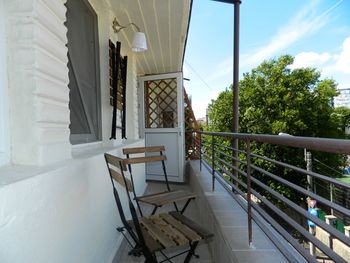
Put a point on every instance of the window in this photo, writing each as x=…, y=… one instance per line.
x=84, y=83
x=4, y=145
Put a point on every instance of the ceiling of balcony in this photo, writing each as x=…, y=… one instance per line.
x=165, y=23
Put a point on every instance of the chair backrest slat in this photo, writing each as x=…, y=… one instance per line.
x=115, y=174
x=151, y=154
x=119, y=178
x=144, y=149
x=147, y=159
x=116, y=161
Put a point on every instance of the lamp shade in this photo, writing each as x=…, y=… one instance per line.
x=139, y=43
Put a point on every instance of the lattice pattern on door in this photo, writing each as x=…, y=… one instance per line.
x=161, y=103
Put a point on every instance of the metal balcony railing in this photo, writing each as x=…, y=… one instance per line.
x=247, y=176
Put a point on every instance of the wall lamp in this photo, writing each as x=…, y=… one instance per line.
x=139, y=42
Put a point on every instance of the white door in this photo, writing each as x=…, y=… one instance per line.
x=162, y=110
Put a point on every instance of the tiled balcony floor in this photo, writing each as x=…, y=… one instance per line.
x=220, y=213
x=191, y=212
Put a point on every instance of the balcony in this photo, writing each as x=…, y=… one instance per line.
x=56, y=201
x=239, y=209
x=217, y=211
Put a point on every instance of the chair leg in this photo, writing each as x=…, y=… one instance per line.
x=185, y=206
x=136, y=251
x=138, y=206
x=154, y=209
x=152, y=259
x=175, y=205
x=193, y=247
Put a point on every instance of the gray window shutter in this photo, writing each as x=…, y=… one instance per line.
x=83, y=67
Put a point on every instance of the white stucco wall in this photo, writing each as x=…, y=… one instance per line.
x=61, y=214
x=56, y=201
x=105, y=18
x=38, y=80
x=4, y=123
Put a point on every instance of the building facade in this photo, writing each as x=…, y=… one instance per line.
x=56, y=201
x=343, y=99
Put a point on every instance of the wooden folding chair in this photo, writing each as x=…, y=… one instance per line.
x=169, y=230
x=155, y=154
x=154, y=233
x=115, y=167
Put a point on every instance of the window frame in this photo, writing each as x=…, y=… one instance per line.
x=77, y=139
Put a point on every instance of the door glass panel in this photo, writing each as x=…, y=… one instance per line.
x=161, y=103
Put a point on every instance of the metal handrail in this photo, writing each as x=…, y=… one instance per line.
x=318, y=144
x=222, y=168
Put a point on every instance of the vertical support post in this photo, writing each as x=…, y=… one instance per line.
x=200, y=151
x=308, y=159
x=213, y=162
x=235, y=123
x=312, y=230
x=249, y=199
x=206, y=117
x=331, y=196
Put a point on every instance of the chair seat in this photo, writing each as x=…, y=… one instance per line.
x=171, y=229
x=166, y=197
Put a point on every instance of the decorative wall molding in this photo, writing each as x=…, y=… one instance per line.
x=38, y=81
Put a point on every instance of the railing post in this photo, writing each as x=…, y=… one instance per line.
x=200, y=151
x=249, y=199
x=308, y=159
x=330, y=220
x=331, y=196
x=213, y=161
x=312, y=230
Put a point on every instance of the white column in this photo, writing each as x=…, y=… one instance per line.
x=347, y=230
x=330, y=219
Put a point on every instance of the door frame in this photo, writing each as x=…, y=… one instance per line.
x=180, y=119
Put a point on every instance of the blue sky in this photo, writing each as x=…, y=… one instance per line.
x=316, y=32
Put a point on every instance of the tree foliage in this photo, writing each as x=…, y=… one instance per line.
x=275, y=98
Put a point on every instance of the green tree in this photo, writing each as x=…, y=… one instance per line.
x=275, y=98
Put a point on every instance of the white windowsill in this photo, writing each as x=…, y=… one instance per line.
x=10, y=174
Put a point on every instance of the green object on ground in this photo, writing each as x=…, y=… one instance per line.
x=345, y=179
x=339, y=225
x=322, y=215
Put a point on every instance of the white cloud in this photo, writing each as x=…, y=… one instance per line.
x=332, y=65
x=310, y=59
x=339, y=66
x=304, y=23
x=200, y=102
x=343, y=62
x=224, y=68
